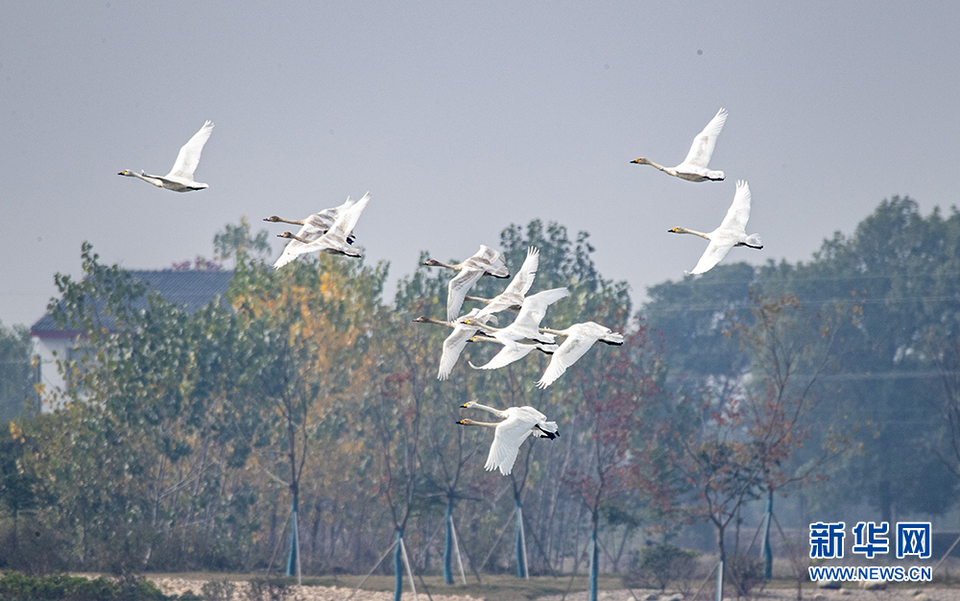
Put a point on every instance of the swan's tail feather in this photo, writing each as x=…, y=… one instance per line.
x=754, y=241
x=547, y=430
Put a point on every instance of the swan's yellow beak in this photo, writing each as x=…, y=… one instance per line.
x=461, y=423
x=465, y=406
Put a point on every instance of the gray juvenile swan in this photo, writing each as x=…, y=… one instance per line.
x=512, y=295
x=312, y=227
x=180, y=178
x=335, y=240
x=485, y=261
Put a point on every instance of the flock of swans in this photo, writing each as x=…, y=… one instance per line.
x=331, y=231
x=732, y=230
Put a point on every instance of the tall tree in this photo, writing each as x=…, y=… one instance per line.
x=149, y=407
x=17, y=373
x=891, y=271
x=314, y=321
x=619, y=435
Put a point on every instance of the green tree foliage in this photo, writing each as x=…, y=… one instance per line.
x=151, y=423
x=17, y=374
x=63, y=587
x=235, y=241
x=898, y=272
x=313, y=324
x=886, y=299
x=691, y=314
x=20, y=493
x=182, y=438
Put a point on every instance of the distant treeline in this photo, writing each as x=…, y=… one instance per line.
x=183, y=438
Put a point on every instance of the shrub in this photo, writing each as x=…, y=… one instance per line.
x=659, y=565
x=744, y=572
x=16, y=586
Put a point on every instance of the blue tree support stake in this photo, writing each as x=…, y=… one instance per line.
x=398, y=568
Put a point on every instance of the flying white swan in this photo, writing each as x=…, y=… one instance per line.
x=580, y=338
x=485, y=261
x=730, y=233
x=454, y=344
x=518, y=424
x=694, y=167
x=335, y=240
x=512, y=295
x=526, y=327
x=312, y=227
x=508, y=355
x=180, y=178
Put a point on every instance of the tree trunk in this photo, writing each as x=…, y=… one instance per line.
x=521, y=552
x=767, y=552
x=16, y=519
x=594, y=555
x=448, y=544
x=720, y=565
x=293, y=558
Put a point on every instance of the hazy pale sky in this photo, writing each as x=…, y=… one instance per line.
x=460, y=119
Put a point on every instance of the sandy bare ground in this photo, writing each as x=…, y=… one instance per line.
x=178, y=586
x=850, y=592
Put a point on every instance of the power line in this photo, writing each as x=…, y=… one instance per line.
x=821, y=278
x=738, y=304
x=891, y=375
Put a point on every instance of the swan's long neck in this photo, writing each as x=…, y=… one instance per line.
x=482, y=326
x=485, y=301
x=435, y=263
x=683, y=230
x=296, y=237
x=282, y=220
x=483, y=338
x=147, y=178
x=555, y=332
x=439, y=322
x=642, y=161
x=470, y=422
x=496, y=412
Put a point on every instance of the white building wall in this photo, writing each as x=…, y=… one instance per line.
x=49, y=350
